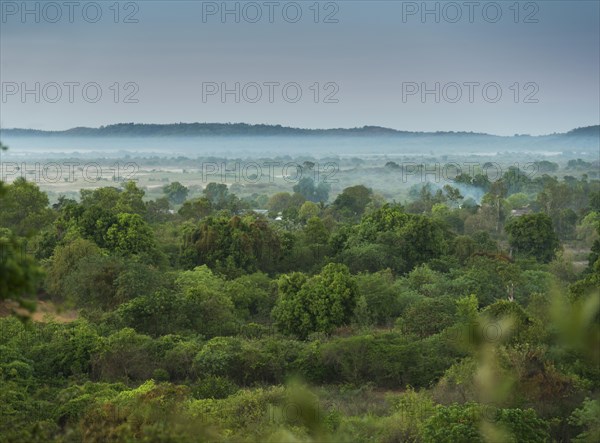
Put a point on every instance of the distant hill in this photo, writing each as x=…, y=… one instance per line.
x=586, y=131
x=222, y=129
x=586, y=139
x=188, y=138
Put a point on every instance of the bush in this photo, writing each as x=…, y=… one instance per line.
x=317, y=304
x=387, y=360
x=125, y=355
x=214, y=387
x=220, y=356
x=427, y=316
x=453, y=424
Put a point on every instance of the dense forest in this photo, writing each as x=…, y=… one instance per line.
x=303, y=316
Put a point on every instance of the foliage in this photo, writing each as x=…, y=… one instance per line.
x=391, y=238
x=427, y=317
x=587, y=417
x=320, y=303
x=19, y=274
x=231, y=245
x=306, y=187
x=353, y=200
x=533, y=235
x=422, y=322
x=458, y=423
x=24, y=208
x=129, y=235
x=176, y=192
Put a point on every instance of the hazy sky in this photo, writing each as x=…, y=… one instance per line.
x=376, y=51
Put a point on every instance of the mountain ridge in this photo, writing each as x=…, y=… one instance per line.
x=245, y=129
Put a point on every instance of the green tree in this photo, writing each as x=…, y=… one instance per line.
x=491, y=278
x=565, y=221
x=454, y=423
x=494, y=201
x=125, y=355
x=428, y=316
x=515, y=180
x=518, y=200
x=292, y=313
x=207, y=305
x=532, y=235
x=91, y=283
x=220, y=198
x=253, y=296
x=19, y=274
x=308, y=210
x=139, y=279
x=233, y=245
x=284, y=201
x=93, y=223
x=130, y=235
x=157, y=211
x=463, y=423
x=315, y=232
x=221, y=355
x=588, y=418
x=306, y=187
x=64, y=260
x=176, y=192
x=380, y=296
x=196, y=209
x=131, y=200
x=353, y=200
x=320, y=303
x=463, y=247
x=453, y=195
x=388, y=218
x=391, y=238
x=24, y=208
x=106, y=197
x=158, y=313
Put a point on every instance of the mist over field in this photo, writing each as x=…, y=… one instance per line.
x=584, y=141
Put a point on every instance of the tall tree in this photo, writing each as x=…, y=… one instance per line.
x=320, y=303
x=176, y=192
x=24, y=208
x=19, y=274
x=353, y=200
x=306, y=187
x=533, y=235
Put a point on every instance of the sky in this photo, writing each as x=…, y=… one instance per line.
x=498, y=67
